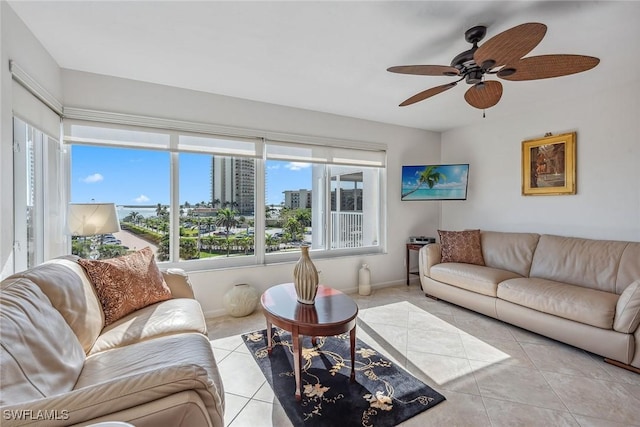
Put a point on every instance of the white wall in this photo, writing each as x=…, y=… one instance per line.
x=607, y=203
x=19, y=44
x=405, y=146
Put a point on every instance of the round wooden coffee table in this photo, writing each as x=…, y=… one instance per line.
x=333, y=313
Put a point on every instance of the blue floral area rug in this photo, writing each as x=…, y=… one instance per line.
x=383, y=393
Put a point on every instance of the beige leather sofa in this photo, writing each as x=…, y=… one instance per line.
x=61, y=366
x=583, y=292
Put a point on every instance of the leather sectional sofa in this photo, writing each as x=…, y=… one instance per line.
x=60, y=365
x=583, y=292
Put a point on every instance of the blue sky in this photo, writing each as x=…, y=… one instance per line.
x=141, y=177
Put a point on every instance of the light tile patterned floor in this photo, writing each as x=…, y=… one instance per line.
x=492, y=373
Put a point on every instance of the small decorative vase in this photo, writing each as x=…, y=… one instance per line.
x=364, y=280
x=240, y=300
x=305, y=278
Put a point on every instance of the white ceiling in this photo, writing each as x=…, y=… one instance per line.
x=332, y=56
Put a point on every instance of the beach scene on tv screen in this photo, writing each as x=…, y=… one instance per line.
x=435, y=182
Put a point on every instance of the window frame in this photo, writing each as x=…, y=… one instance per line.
x=336, y=149
x=39, y=235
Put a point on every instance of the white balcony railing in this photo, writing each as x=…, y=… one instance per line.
x=346, y=230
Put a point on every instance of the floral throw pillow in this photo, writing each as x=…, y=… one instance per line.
x=461, y=246
x=127, y=283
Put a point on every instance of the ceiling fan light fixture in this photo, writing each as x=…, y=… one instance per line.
x=474, y=76
x=488, y=64
x=505, y=72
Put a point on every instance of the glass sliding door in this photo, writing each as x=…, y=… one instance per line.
x=38, y=217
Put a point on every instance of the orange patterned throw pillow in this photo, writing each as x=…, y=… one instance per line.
x=127, y=283
x=461, y=246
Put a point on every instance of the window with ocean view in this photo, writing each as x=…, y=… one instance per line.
x=194, y=197
x=137, y=181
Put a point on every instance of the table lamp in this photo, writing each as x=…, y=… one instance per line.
x=92, y=219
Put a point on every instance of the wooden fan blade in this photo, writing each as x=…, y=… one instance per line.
x=484, y=94
x=428, y=93
x=425, y=70
x=510, y=45
x=547, y=66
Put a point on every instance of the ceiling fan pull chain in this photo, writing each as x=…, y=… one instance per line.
x=483, y=115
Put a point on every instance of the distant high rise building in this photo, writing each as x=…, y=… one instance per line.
x=294, y=199
x=233, y=183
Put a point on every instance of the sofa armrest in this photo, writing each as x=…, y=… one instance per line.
x=178, y=282
x=99, y=400
x=627, y=317
x=428, y=256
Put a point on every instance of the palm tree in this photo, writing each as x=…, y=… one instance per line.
x=208, y=221
x=226, y=218
x=271, y=242
x=294, y=229
x=303, y=216
x=429, y=176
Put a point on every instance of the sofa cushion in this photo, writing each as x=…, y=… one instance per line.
x=146, y=371
x=169, y=317
x=127, y=283
x=583, y=262
x=461, y=246
x=70, y=291
x=40, y=354
x=178, y=282
x=483, y=280
x=629, y=268
x=584, y=305
x=627, y=315
x=509, y=251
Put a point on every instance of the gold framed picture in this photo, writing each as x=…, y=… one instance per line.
x=549, y=165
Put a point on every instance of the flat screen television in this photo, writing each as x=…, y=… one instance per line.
x=435, y=182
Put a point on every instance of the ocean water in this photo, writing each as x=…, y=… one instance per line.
x=434, y=194
x=124, y=211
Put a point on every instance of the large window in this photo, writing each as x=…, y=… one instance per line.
x=137, y=181
x=39, y=199
x=213, y=201
x=38, y=217
x=322, y=205
x=324, y=193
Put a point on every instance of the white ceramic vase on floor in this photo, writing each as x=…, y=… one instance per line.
x=240, y=300
x=364, y=280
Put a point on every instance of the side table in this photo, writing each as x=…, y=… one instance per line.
x=412, y=247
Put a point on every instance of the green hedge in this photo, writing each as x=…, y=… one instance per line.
x=143, y=233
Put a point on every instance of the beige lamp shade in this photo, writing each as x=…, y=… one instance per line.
x=90, y=219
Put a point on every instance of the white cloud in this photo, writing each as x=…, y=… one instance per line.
x=91, y=179
x=141, y=199
x=296, y=166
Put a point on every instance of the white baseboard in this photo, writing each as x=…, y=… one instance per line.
x=215, y=313
x=353, y=290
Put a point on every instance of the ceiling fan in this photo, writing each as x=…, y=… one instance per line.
x=501, y=55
